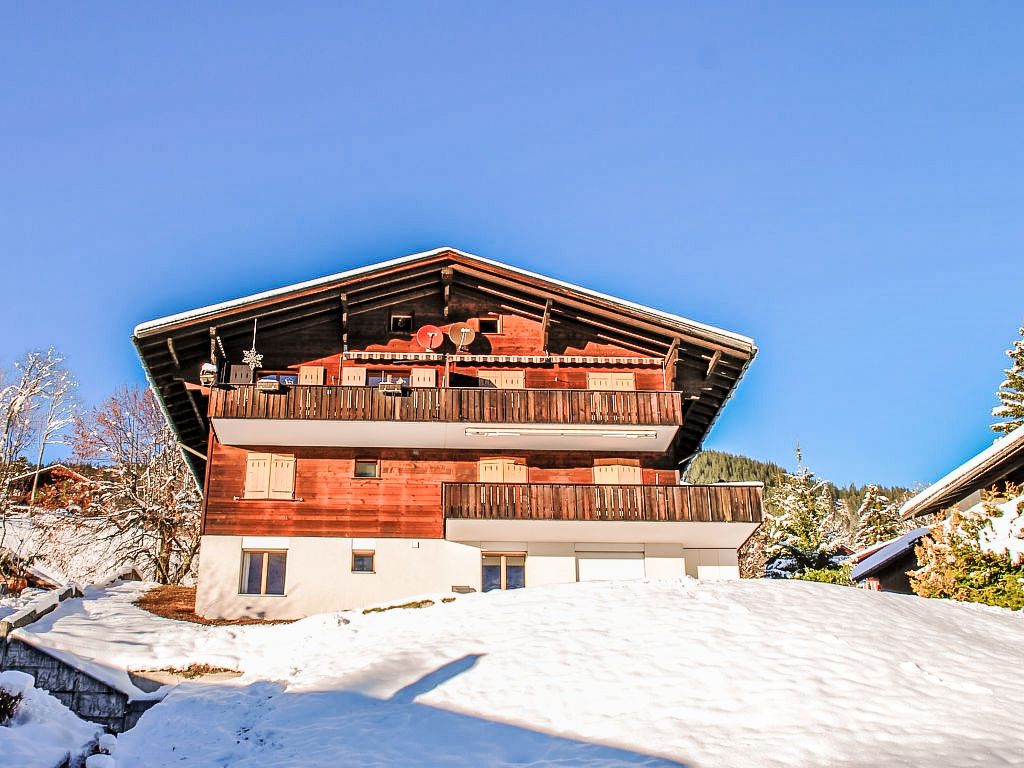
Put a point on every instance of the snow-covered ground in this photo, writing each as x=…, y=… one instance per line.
x=750, y=673
x=43, y=733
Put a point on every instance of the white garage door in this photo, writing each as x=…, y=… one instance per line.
x=602, y=566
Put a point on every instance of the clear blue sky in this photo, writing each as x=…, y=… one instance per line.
x=842, y=184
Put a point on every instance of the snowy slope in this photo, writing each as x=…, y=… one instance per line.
x=751, y=673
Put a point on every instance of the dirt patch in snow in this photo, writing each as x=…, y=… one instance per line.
x=179, y=603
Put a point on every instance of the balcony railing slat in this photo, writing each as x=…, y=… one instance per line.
x=557, y=501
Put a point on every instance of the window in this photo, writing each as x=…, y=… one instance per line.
x=353, y=377
x=362, y=561
x=401, y=323
x=312, y=374
x=269, y=476
x=368, y=468
x=263, y=573
x=373, y=378
x=423, y=377
x=503, y=571
x=490, y=325
x=501, y=471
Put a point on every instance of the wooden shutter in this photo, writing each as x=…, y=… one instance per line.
x=491, y=471
x=599, y=381
x=240, y=374
x=623, y=381
x=514, y=473
x=629, y=475
x=257, y=476
x=513, y=379
x=282, y=477
x=490, y=379
x=311, y=374
x=353, y=377
x=606, y=474
x=423, y=377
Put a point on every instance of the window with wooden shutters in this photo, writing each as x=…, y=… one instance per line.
x=503, y=379
x=353, y=377
x=269, y=476
x=617, y=474
x=502, y=471
x=599, y=381
x=423, y=377
x=311, y=374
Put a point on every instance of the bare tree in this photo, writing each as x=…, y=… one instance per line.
x=145, y=506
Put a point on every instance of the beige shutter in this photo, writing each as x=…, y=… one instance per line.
x=424, y=377
x=513, y=379
x=311, y=374
x=491, y=471
x=623, y=381
x=629, y=475
x=257, y=476
x=282, y=477
x=353, y=377
x=606, y=474
x=514, y=473
x=599, y=381
x=490, y=379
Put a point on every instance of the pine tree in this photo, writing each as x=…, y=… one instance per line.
x=878, y=518
x=1011, y=391
x=801, y=528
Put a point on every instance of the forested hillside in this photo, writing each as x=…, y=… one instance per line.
x=716, y=466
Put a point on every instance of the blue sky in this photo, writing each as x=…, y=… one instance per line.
x=842, y=184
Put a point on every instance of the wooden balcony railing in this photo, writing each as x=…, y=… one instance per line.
x=489, y=406
x=548, y=501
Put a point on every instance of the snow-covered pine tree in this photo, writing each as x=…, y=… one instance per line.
x=878, y=518
x=801, y=527
x=1011, y=391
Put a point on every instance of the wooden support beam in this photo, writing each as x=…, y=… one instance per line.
x=446, y=281
x=174, y=355
x=391, y=302
x=396, y=291
x=344, y=322
x=214, y=343
x=669, y=368
x=712, y=363
x=544, y=325
x=193, y=451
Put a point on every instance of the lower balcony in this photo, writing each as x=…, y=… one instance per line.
x=722, y=515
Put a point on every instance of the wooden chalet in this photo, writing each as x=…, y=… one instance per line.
x=444, y=421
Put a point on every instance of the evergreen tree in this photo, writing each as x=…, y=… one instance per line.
x=801, y=528
x=1011, y=391
x=878, y=519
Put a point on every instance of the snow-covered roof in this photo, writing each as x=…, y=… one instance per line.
x=994, y=464
x=887, y=554
x=154, y=326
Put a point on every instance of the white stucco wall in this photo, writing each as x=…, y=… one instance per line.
x=712, y=564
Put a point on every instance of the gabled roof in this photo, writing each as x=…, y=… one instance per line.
x=887, y=554
x=1003, y=460
x=172, y=348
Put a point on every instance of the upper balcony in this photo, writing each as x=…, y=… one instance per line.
x=429, y=417
x=715, y=516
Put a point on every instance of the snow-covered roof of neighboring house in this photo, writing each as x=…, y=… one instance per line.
x=887, y=554
x=1002, y=460
x=45, y=471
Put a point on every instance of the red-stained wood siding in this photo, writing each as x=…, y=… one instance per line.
x=404, y=502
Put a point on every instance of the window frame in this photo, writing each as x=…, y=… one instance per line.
x=401, y=315
x=264, y=572
x=376, y=469
x=503, y=569
x=496, y=319
x=370, y=553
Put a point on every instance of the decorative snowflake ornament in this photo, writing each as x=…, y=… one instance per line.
x=252, y=358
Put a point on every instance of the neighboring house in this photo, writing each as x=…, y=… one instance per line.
x=20, y=489
x=997, y=465
x=444, y=421
x=885, y=566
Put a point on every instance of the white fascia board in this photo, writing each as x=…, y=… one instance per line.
x=999, y=450
x=153, y=326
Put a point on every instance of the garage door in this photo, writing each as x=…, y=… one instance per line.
x=602, y=566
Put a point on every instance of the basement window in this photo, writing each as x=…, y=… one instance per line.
x=362, y=560
x=368, y=468
x=263, y=572
x=401, y=324
x=490, y=325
